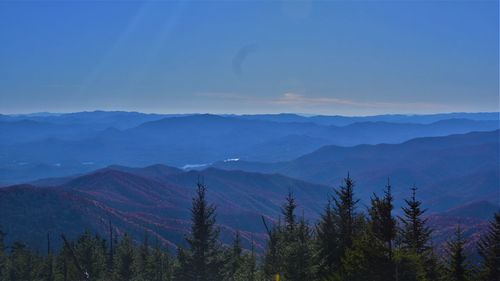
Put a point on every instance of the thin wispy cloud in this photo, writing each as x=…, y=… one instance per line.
x=241, y=56
x=296, y=100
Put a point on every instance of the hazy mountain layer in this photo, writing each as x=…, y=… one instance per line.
x=60, y=145
x=447, y=170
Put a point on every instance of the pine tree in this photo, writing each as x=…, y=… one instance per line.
x=141, y=260
x=489, y=250
x=3, y=257
x=274, y=253
x=345, y=209
x=433, y=265
x=328, y=252
x=21, y=263
x=288, y=211
x=337, y=228
x=458, y=267
x=383, y=227
x=111, y=251
x=158, y=267
x=364, y=260
x=47, y=272
x=181, y=270
x=234, y=261
x=63, y=265
x=250, y=262
x=124, y=260
x=289, y=252
x=91, y=254
x=409, y=266
x=203, y=262
x=382, y=221
x=298, y=254
x=415, y=235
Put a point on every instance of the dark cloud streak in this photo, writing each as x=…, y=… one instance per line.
x=241, y=56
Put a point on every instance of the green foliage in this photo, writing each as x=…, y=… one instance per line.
x=365, y=258
x=338, y=227
x=3, y=257
x=203, y=261
x=382, y=221
x=344, y=207
x=489, y=250
x=409, y=266
x=344, y=245
x=327, y=236
x=124, y=259
x=21, y=264
x=415, y=235
x=371, y=253
x=458, y=269
x=239, y=264
x=290, y=247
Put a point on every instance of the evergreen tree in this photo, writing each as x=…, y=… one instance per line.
x=337, y=228
x=383, y=228
x=158, y=267
x=63, y=268
x=432, y=265
x=298, y=254
x=234, y=259
x=111, y=251
x=382, y=221
x=274, y=253
x=141, y=260
x=289, y=252
x=288, y=211
x=489, y=250
x=91, y=254
x=21, y=263
x=124, y=260
x=458, y=267
x=47, y=271
x=328, y=252
x=3, y=257
x=364, y=259
x=345, y=210
x=409, y=266
x=181, y=270
x=250, y=265
x=204, y=261
x=415, y=235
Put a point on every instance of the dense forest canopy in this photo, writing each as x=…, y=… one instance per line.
x=347, y=243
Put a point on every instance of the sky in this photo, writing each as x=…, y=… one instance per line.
x=328, y=57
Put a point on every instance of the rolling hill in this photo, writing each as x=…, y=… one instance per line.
x=154, y=199
x=188, y=140
x=449, y=171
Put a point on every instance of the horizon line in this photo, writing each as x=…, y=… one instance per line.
x=48, y=113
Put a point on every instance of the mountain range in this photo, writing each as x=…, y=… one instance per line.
x=64, y=173
x=47, y=145
x=154, y=199
x=447, y=170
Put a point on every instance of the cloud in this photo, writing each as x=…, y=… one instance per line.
x=240, y=57
x=291, y=100
x=297, y=99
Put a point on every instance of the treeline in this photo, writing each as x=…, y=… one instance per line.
x=346, y=244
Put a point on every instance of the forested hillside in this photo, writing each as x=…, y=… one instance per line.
x=346, y=243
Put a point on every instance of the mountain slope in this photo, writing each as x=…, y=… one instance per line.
x=204, y=139
x=155, y=199
x=448, y=170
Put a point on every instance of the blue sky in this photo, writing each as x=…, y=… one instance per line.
x=330, y=57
